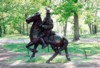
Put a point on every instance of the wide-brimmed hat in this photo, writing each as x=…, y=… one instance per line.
x=48, y=10
x=37, y=13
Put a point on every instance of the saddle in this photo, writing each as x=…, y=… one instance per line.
x=48, y=35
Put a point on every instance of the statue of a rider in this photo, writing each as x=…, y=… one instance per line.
x=46, y=27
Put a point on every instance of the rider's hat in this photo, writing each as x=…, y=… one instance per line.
x=47, y=10
x=37, y=13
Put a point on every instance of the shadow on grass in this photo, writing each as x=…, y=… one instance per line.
x=37, y=59
x=73, y=48
x=91, y=48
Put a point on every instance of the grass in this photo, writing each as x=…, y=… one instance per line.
x=38, y=59
x=14, y=36
x=73, y=48
x=68, y=36
x=22, y=49
x=91, y=48
x=85, y=36
x=91, y=36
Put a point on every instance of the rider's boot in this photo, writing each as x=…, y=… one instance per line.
x=44, y=44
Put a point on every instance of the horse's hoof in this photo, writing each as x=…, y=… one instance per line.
x=30, y=59
x=68, y=59
x=59, y=52
x=34, y=50
x=43, y=47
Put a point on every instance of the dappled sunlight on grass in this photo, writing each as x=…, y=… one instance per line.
x=17, y=62
x=37, y=59
x=91, y=36
x=16, y=47
x=42, y=55
x=85, y=36
x=15, y=36
x=90, y=48
x=19, y=36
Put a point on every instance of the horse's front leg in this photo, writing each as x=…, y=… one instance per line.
x=28, y=46
x=34, y=51
x=51, y=58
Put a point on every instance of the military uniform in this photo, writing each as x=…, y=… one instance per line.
x=46, y=26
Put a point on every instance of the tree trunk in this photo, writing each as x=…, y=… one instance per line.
x=76, y=27
x=20, y=28
x=27, y=33
x=95, y=26
x=90, y=28
x=4, y=29
x=23, y=28
x=94, y=29
x=27, y=29
x=65, y=28
x=0, y=31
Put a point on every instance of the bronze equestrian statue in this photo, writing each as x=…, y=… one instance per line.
x=57, y=43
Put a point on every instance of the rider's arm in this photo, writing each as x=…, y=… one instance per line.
x=50, y=26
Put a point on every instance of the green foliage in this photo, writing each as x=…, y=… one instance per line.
x=91, y=10
x=89, y=19
x=66, y=9
x=14, y=12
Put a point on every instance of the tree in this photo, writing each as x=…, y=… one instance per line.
x=0, y=31
x=76, y=27
x=70, y=8
x=4, y=8
x=91, y=9
x=14, y=12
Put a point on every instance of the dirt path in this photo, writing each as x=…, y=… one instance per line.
x=5, y=55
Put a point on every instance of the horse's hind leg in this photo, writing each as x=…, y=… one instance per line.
x=51, y=58
x=67, y=55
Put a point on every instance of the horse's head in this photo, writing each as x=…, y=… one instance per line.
x=33, y=18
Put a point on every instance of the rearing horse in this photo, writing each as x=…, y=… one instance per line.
x=57, y=43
